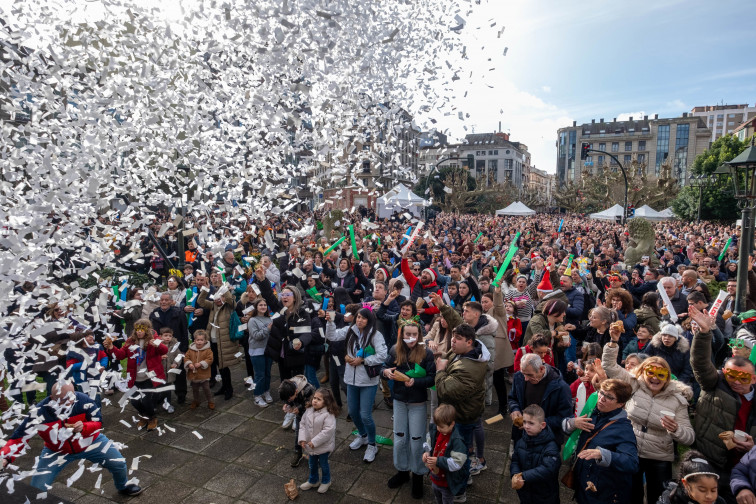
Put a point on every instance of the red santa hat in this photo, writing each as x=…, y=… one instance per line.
x=385, y=272
x=545, y=285
x=431, y=273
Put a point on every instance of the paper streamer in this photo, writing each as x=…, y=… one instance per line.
x=667, y=302
x=354, y=245
x=413, y=237
x=717, y=303
x=724, y=250
x=508, y=259
x=330, y=249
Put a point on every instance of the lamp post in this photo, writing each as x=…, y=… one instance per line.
x=700, y=181
x=742, y=171
x=586, y=149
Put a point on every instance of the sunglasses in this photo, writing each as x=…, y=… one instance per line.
x=287, y=294
x=738, y=376
x=141, y=327
x=660, y=373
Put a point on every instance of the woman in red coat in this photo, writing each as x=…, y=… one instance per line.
x=144, y=368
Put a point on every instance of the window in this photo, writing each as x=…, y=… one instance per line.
x=641, y=145
x=628, y=146
x=601, y=160
x=720, y=116
x=615, y=146
x=627, y=159
x=662, y=146
x=602, y=146
x=588, y=160
x=508, y=164
x=496, y=153
x=641, y=158
x=493, y=170
x=490, y=153
x=681, y=151
x=366, y=167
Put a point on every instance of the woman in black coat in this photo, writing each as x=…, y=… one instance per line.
x=290, y=335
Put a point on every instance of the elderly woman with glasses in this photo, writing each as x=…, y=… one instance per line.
x=658, y=411
x=607, y=456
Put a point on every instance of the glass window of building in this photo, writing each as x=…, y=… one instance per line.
x=493, y=171
x=662, y=146
x=601, y=160
x=641, y=145
x=627, y=159
x=641, y=158
x=628, y=146
x=615, y=146
x=602, y=146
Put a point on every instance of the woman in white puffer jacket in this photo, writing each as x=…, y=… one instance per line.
x=658, y=411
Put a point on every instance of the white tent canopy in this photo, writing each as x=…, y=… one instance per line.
x=649, y=213
x=609, y=213
x=516, y=208
x=668, y=213
x=400, y=198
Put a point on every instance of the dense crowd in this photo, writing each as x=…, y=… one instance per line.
x=622, y=370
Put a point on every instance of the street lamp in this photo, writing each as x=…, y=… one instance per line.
x=742, y=171
x=700, y=181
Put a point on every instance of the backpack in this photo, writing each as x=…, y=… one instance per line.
x=234, y=334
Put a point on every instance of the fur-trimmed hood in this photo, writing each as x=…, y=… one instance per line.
x=682, y=344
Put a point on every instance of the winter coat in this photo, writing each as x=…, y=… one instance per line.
x=676, y=494
x=284, y=331
x=646, y=315
x=174, y=356
x=717, y=407
x=43, y=420
x=644, y=411
x=503, y=356
x=556, y=402
x=153, y=355
x=418, y=393
x=175, y=318
x=575, y=302
x=357, y=375
x=435, y=335
x=319, y=428
x=537, y=458
x=462, y=385
x=316, y=348
x=454, y=462
x=303, y=395
x=632, y=347
x=538, y=324
x=743, y=475
x=257, y=327
x=613, y=475
x=202, y=358
x=227, y=349
x=81, y=362
x=419, y=290
x=677, y=356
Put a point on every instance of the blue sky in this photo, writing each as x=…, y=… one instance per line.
x=591, y=59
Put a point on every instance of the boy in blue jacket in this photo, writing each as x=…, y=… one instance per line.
x=535, y=460
x=445, y=456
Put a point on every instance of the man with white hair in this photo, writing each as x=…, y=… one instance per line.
x=70, y=425
x=538, y=383
x=679, y=302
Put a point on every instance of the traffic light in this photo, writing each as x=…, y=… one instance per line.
x=584, y=150
x=630, y=211
x=470, y=161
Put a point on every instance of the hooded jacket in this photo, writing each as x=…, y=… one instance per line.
x=743, y=475
x=613, y=474
x=357, y=375
x=221, y=316
x=419, y=290
x=677, y=356
x=503, y=356
x=537, y=458
x=153, y=356
x=644, y=411
x=44, y=420
x=454, y=462
x=462, y=385
x=418, y=392
x=319, y=428
x=284, y=331
x=202, y=358
x=556, y=401
x=646, y=315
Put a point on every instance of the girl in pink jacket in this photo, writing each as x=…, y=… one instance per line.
x=317, y=437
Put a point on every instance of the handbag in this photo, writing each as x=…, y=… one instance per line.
x=568, y=479
x=373, y=371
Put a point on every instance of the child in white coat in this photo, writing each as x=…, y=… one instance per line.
x=317, y=437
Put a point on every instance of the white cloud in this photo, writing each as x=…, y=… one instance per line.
x=624, y=116
x=546, y=89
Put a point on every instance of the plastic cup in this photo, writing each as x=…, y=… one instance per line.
x=667, y=414
x=566, y=338
x=740, y=436
x=332, y=315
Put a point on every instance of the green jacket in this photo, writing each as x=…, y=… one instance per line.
x=462, y=383
x=539, y=323
x=717, y=407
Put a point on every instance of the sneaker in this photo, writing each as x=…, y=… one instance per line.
x=142, y=424
x=131, y=490
x=259, y=401
x=307, y=485
x=194, y=405
x=294, y=424
x=477, y=467
x=370, y=453
x=248, y=380
x=324, y=487
x=461, y=498
x=298, y=458
x=268, y=398
x=211, y=405
x=469, y=481
x=288, y=420
x=152, y=425
x=168, y=407
x=358, y=442
x=251, y=386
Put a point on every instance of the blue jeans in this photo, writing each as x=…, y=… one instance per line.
x=321, y=460
x=312, y=376
x=466, y=431
x=112, y=460
x=360, y=402
x=409, y=435
x=261, y=365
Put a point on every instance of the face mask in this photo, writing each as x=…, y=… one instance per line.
x=409, y=340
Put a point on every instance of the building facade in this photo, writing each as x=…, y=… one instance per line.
x=724, y=119
x=541, y=184
x=648, y=141
x=745, y=130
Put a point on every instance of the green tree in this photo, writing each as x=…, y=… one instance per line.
x=438, y=182
x=718, y=202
